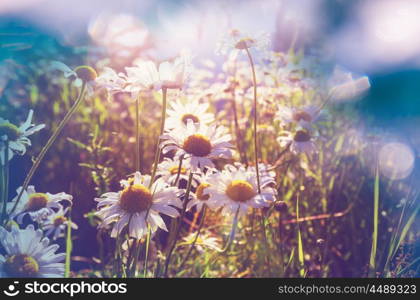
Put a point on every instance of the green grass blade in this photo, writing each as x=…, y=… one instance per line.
x=69, y=248
x=301, y=255
x=372, y=260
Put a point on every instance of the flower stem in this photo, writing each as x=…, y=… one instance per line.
x=203, y=216
x=49, y=143
x=178, y=174
x=254, y=79
x=137, y=134
x=178, y=229
x=232, y=231
x=162, y=128
x=147, y=250
x=5, y=179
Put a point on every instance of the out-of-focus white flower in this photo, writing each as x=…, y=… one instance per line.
x=16, y=137
x=303, y=116
x=236, y=189
x=235, y=40
x=180, y=113
x=168, y=171
x=37, y=205
x=343, y=86
x=137, y=206
x=111, y=81
x=204, y=240
x=198, y=143
x=169, y=75
x=56, y=223
x=29, y=254
x=301, y=141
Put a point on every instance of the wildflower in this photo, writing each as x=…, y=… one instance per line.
x=17, y=137
x=29, y=254
x=235, y=40
x=198, y=144
x=36, y=205
x=111, y=81
x=180, y=113
x=80, y=74
x=204, y=240
x=138, y=206
x=145, y=75
x=168, y=171
x=56, y=223
x=303, y=117
x=235, y=188
x=200, y=197
x=301, y=141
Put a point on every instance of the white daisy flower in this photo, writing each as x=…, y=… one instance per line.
x=137, y=206
x=56, y=223
x=235, y=188
x=37, y=205
x=235, y=40
x=201, y=198
x=17, y=137
x=302, y=141
x=111, y=81
x=29, y=254
x=80, y=74
x=179, y=113
x=168, y=171
x=304, y=116
x=146, y=75
x=204, y=240
x=198, y=144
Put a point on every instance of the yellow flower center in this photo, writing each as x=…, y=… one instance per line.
x=191, y=117
x=36, y=202
x=11, y=131
x=200, y=192
x=174, y=170
x=59, y=221
x=21, y=265
x=244, y=43
x=302, y=136
x=197, y=145
x=301, y=115
x=240, y=191
x=136, y=198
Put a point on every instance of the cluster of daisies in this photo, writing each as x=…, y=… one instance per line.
x=198, y=169
x=28, y=252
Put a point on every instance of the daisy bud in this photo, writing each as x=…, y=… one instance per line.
x=86, y=73
x=280, y=206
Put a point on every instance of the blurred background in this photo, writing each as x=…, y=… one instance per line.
x=378, y=39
